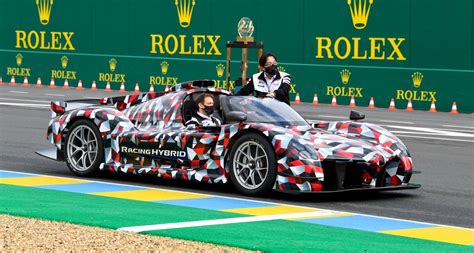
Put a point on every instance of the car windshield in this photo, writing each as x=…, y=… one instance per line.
x=266, y=110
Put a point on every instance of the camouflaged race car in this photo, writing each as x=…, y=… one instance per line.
x=263, y=144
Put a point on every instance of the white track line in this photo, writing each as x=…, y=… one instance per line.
x=25, y=105
x=242, y=198
x=27, y=100
x=468, y=127
x=55, y=95
x=190, y=224
x=20, y=92
x=395, y=121
x=434, y=138
x=331, y=117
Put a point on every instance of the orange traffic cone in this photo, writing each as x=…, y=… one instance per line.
x=38, y=83
x=392, y=105
x=167, y=89
x=1, y=80
x=12, y=81
x=107, y=87
x=409, y=106
x=371, y=103
x=352, y=103
x=454, y=109
x=297, y=99
x=315, y=99
x=334, y=101
x=137, y=88
x=52, y=85
x=152, y=89
x=432, y=107
x=79, y=85
x=122, y=87
x=25, y=82
x=94, y=86
x=66, y=85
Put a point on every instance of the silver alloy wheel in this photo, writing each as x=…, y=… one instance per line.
x=250, y=165
x=82, y=148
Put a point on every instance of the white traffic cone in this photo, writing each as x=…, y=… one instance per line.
x=315, y=99
x=94, y=86
x=137, y=89
x=79, y=85
x=25, y=82
x=38, y=83
x=352, y=103
x=107, y=87
x=66, y=84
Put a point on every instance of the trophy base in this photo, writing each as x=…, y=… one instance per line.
x=245, y=39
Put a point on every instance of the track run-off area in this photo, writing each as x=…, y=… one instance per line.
x=436, y=218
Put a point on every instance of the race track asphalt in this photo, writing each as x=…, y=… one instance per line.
x=442, y=146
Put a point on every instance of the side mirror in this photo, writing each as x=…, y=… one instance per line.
x=356, y=115
x=236, y=116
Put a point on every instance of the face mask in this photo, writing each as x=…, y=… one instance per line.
x=271, y=70
x=209, y=110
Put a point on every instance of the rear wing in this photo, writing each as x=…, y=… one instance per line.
x=120, y=103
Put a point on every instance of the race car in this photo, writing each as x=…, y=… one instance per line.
x=262, y=144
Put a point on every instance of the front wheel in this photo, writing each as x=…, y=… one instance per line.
x=84, y=148
x=252, y=165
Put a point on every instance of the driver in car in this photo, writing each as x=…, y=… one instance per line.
x=204, y=115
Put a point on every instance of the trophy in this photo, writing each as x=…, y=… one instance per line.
x=245, y=29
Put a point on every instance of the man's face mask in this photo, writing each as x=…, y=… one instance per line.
x=209, y=110
x=271, y=69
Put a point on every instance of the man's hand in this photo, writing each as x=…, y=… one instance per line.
x=271, y=94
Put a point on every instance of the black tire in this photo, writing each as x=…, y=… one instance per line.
x=238, y=172
x=72, y=141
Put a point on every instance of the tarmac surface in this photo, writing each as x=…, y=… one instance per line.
x=441, y=144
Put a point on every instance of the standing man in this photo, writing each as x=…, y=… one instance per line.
x=203, y=116
x=270, y=82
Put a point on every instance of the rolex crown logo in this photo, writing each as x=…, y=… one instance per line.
x=417, y=77
x=185, y=11
x=19, y=59
x=112, y=64
x=345, y=75
x=360, y=11
x=164, y=67
x=281, y=69
x=44, y=10
x=64, y=61
x=220, y=69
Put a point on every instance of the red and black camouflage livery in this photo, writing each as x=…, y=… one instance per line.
x=308, y=157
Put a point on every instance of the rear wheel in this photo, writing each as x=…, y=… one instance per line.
x=252, y=165
x=84, y=148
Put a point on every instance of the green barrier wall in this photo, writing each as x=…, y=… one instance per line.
x=407, y=49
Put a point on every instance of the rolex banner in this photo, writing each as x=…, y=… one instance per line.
x=416, y=50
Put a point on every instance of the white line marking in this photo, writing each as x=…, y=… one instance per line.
x=25, y=105
x=432, y=130
x=395, y=121
x=242, y=198
x=332, y=117
x=55, y=95
x=27, y=100
x=433, y=138
x=189, y=224
x=433, y=134
x=459, y=126
x=20, y=92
